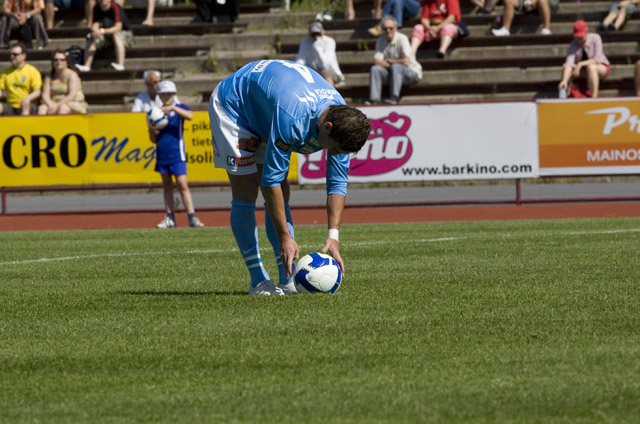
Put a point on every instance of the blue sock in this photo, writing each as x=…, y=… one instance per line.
x=245, y=230
x=275, y=243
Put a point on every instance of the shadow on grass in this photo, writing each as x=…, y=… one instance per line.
x=184, y=293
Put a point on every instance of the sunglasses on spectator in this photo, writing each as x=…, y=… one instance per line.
x=388, y=28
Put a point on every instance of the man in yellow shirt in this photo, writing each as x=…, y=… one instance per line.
x=21, y=82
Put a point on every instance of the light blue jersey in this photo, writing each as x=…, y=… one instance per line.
x=280, y=102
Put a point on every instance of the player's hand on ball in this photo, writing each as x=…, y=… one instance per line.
x=331, y=246
x=288, y=253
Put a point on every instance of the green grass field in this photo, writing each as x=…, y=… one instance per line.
x=520, y=321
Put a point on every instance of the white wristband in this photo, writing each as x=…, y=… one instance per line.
x=333, y=234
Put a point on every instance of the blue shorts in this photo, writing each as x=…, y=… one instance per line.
x=178, y=168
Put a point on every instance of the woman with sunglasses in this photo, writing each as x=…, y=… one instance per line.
x=62, y=90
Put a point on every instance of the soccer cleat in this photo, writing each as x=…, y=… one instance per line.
x=82, y=68
x=196, y=223
x=167, y=223
x=289, y=288
x=117, y=66
x=545, y=31
x=266, y=288
x=502, y=32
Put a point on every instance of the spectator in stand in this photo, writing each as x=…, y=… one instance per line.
x=318, y=52
x=26, y=17
x=150, y=5
x=171, y=157
x=148, y=99
x=51, y=6
x=585, y=61
x=62, y=89
x=399, y=9
x=22, y=84
x=351, y=12
x=110, y=27
x=545, y=7
x=394, y=63
x=619, y=11
x=438, y=20
x=206, y=9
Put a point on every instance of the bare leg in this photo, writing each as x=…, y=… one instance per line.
x=64, y=110
x=151, y=7
x=90, y=52
x=49, y=12
x=509, y=10
x=620, y=20
x=377, y=9
x=351, y=13
x=88, y=11
x=415, y=45
x=119, y=47
x=185, y=193
x=609, y=18
x=167, y=186
x=445, y=42
x=545, y=13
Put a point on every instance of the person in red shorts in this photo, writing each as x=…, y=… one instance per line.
x=438, y=21
x=585, y=65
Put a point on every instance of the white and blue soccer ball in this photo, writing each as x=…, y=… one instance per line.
x=317, y=273
x=157, y=119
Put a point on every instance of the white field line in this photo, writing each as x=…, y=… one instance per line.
x=207, y=251
x=201, y=251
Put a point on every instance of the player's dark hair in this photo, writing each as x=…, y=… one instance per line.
x=350, y=127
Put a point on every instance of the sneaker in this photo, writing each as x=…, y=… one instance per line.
x=289, y=289
x=376, y=31
x=611, y=27
x=266, y=288
x=82, y=68
x=340, y=84
x=195, y=222
x=502, y=32
x=327, y=16
x=390, y=101
x=370, y=102
x=545, y=31
x=117, y=66
x=167, y=223
x=601, y=27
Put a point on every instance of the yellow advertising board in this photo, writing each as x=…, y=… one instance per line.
x=111, y=148
x=589, y=137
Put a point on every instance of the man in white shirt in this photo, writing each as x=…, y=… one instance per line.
x=148, y=99
x=394, y=63
x=318, y=52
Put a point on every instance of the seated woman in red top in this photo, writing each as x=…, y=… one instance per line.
x=438, y=21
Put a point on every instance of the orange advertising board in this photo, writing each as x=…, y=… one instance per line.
x=589, y=137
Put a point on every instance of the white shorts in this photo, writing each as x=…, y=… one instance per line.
x=234, y=149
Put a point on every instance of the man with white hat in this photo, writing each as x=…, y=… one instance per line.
x=318, y=52
x=171, y=156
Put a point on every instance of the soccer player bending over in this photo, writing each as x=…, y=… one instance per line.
x=259, y=115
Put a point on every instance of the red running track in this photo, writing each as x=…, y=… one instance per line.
x=350, y=216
